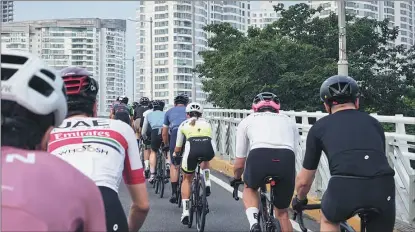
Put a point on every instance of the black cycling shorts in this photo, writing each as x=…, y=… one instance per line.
x=196, y=149
x=156, y=139
x=345, y=195
x=263, y=162
x=172, y=146
x=114, y=212
x=123, y=116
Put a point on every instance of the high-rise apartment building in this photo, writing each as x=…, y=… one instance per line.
x=400, y=13
x=95, y=44
x=264, y=14
x=7, y=11
x=172, y=38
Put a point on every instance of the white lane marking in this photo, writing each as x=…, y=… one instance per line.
x=229, y=188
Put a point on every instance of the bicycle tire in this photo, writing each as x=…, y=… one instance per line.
x=179, y=190
x=345, y=227
x=262, y=215
x=192, y=201
x=156, y=178
x=162, y=175
x=276, y=226
x=201, y=206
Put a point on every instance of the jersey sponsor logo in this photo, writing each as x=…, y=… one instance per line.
x=80, y=123
x=82, y=149
x=64, y=135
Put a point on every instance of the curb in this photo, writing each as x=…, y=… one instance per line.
x=226, y=168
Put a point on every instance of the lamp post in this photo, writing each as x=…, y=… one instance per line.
x=193, y=52
x=342, y=65
x=151, y=51
x=133, y=76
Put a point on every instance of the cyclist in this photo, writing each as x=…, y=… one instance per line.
x=354, y=143
x=199, y=144
x=123, y=112
x=147, y=141
x=154, y=119
x=172, y=120
x=58, y=197
x=266, y=144
x=103, y=149
x=139, y=110
x=116, y=102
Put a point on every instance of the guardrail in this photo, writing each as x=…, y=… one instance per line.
x=224, y=125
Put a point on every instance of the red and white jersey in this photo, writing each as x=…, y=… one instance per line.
x=102, y=149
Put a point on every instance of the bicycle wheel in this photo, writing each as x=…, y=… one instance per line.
x=201, y=206
x=162, y=175
x=273, y=224
x=192, y=202
x=344, y=227
x=179, y=190
x=156, y=178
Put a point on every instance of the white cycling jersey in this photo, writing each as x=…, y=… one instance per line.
x=103, y=149
x=266, y=130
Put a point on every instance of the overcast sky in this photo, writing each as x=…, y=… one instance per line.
x=38, y=10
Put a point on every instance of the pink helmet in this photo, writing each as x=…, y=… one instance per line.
x=266, y=101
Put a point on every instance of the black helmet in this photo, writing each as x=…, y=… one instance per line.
x=144, y=101
x=338, y=90
x=150, y=104
x=79, y=84
x=181, y=99
x=124, y=100
x=135, y=104
x=158, y=105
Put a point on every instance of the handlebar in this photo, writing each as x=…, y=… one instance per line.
x=235, y=190
x=298, y=216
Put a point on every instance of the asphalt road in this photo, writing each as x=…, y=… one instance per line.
x=225, y=214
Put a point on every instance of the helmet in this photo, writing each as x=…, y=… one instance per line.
x=158, y=105
x=28, y=82
x=120, y=98
x=194, y=107
x=79, y=83
x=181, y=99
x=135, y=104
x=124, y=100
x=339, y=89
x=144, y=101
x=266, y=100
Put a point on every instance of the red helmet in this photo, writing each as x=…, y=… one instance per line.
x=266, y=101
x=79, y=82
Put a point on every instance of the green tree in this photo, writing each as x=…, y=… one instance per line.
x=295, y=54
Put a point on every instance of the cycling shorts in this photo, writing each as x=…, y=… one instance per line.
x=156, y=139
x=172, y=145
x=196, y=149
x=263, y=162
x=345, y=195
x=114, y=212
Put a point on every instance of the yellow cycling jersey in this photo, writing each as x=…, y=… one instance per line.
x=201, y=128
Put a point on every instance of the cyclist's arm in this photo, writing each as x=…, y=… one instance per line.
x=135, y=182
x=179, y=139
x=165, y=131
x=144, y=130
x=312, y=156
x=242, y=145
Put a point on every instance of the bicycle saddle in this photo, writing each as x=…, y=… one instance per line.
x=366, y=212
x=270, y=179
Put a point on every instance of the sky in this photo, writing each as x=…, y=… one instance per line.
x=38, y=10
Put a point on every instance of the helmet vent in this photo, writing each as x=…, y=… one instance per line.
x=40, y=86
x=10, y=59
x=6, y=73
x=48, y=74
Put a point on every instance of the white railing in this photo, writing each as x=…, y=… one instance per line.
x=225, y=121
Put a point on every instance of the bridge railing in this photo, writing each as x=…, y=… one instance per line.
x=224, y=125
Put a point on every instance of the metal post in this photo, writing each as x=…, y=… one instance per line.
x=151, y=57
x=194, y=52
x=342, y=65
x=133, y=79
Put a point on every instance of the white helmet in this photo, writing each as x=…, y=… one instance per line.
x=194, y=107
x=29, y=82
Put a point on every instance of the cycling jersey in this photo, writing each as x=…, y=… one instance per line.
x=201, y=128
x=41, y=192
x=154, y=119
x=266, y=130
x=103, y=149
x=174, y=117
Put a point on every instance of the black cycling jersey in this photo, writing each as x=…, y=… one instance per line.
x=354, y=143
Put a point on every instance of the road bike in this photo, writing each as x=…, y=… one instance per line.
x=161, y=178
x=365, y=215
x=266, y=218
x=141, y=151
x=198, y=200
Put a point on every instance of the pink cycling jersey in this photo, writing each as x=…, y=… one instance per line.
x=41, y=192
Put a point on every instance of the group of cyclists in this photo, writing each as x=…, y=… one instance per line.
x=55, y=147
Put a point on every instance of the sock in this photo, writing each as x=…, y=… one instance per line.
x=146, y=164
x=252, y=215
x=152, y=170
x=206, y=175
x=167, y=162
x=174, y=187
x=186, y=206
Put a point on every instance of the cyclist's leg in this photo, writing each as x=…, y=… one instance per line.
x=206, y=148
x=153, y=156
x=174, y=172
x=114, y=213
x=189, y=163
x=281, y=162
